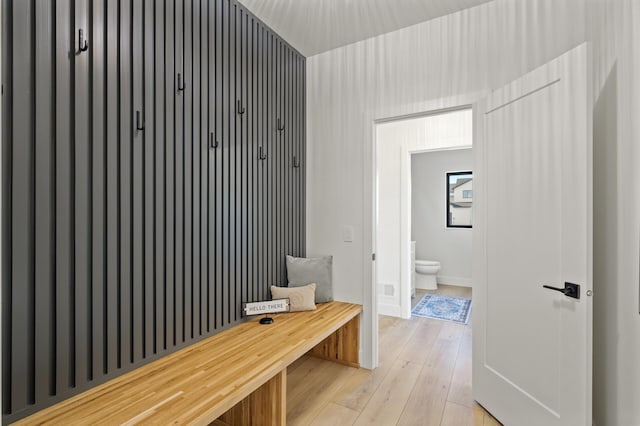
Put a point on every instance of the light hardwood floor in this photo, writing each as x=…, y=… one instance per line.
x=424, y=378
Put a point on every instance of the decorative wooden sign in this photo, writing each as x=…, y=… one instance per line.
x=266, y=307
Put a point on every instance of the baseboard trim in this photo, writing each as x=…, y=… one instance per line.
x=389, y=310
x=459, y=281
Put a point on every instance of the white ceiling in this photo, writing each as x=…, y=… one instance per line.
x=315, y=26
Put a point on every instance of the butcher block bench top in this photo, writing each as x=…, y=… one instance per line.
x=201, y=382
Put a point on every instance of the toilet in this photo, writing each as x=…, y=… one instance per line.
x=426, y=271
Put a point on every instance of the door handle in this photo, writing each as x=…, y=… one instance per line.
x=569, y=290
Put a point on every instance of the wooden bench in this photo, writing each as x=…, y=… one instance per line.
x=236, y=377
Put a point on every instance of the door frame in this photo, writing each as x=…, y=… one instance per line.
x=370, y=219
x=2, y=65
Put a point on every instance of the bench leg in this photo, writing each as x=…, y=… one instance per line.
x=266, y=406
x=343, y=346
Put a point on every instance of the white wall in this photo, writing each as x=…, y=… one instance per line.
x=395, y=140
x=388, y=239
x=452, y=61
x=446, y=62
x=616, y=385
x=434, y=241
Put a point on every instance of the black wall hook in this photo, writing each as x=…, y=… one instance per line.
x=83, y=46
x=181, y=84
x=139, y=124
x=296, y=162
x=280, y=125
x=261, y=155
x=213, y=143
x=241, y=109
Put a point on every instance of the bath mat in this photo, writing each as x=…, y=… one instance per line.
x=443, y=308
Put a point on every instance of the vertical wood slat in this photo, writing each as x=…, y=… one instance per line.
x=296, y=172
x=287, y=162
x=275, y=170
x=286, y=165
x=81, y=195
x=254, y=160
x=257, y=135
x=296, y=153
x=211, y=158
x=279, y=169
x=219, y=96
x=7, y=208
x=232, y=169
x=282, y=158
x=97, y=188
x=169, y=177
x=299, y=144
x=228, y=112
x=236, y=171
x=195, y=163
x=45, y=203
x=248, y=125
x=188, y=163
x=249, y=158
x=274, y=161
x=295, y=134
x=225, y=112
x=126, y=129
x=23, y=207
x=142, y=117
x=303, y=157
x=179, y=193
x=258, y=44
x=290, y=160
x=137, y=183
x=203, y=145
x=240, y=161
x=242, y=173
x=112, y=208
x=253, y=137
x=277, y=161
x=282, y=169
x=260, y=281
x=264, y=138
x=62, y=83
x=137, y=242
x=149, y=145
x=268, y=193
x=159, y=205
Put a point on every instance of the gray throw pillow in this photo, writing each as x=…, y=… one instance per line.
x=302, y=271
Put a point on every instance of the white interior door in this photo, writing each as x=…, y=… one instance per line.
x=533, y=227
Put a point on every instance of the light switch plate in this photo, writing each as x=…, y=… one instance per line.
x=347, y=234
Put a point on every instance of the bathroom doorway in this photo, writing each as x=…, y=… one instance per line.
x=442, y=217
x=397, y=143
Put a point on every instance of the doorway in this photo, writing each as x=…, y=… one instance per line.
x=396, y=141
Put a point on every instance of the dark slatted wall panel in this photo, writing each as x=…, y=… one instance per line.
x=153, y=180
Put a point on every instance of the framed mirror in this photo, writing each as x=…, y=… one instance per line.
x=459, y=199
